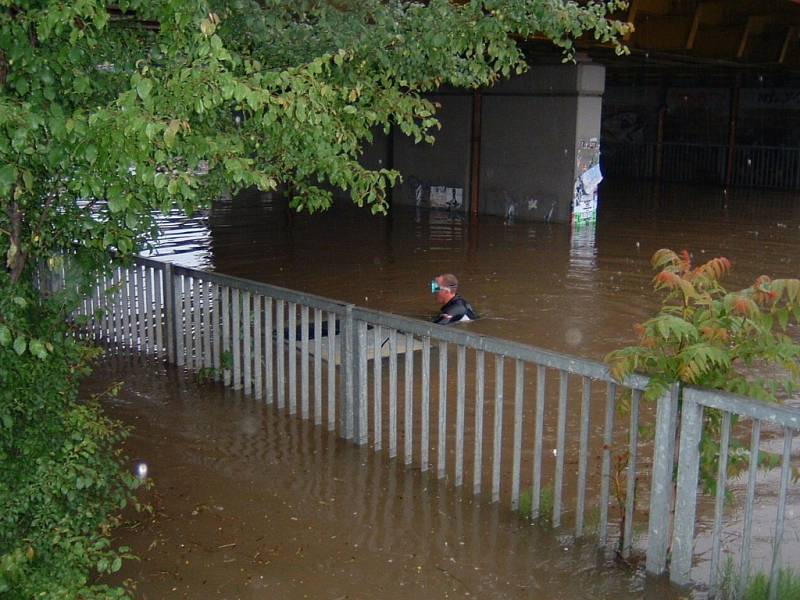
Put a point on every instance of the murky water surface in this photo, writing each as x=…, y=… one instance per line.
x=252, y=505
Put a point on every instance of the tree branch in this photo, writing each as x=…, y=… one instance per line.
x=15, y=263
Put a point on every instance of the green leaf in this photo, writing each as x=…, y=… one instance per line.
x=118, y=202
x=8, y=176
x=5, y=335
x=37, y=348
x=20, y=345
x=143, y=88
x=170, y=132
x=90, y=153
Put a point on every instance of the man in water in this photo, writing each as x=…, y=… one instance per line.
x=454, y=307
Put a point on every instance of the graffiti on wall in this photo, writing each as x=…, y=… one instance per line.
x=439, y=197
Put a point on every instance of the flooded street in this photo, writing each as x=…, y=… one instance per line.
x=251, y=504
x=542, y=284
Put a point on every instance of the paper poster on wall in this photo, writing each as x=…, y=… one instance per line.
x=450, y=198
x=584, y=200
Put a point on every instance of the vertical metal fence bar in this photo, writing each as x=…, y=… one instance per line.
x=204, y=323
x=226, y=335
x=169, y=312
x=258, y=357
x=160, y=321
x=541, y=383
x=497, y=451
x=292, y=351
x=441, y=443
x=630, y=490
x=781, y=513
x=108, y=306
x=219, y=317
x=461, y=385
x=197, y=320
x=408, y=400
x=519, y=384
x=425, y=411
x=363, y=426
x=143, y=308
x=318, y=366
x=186, y=310
x=152, y=309
x=392, y=393
x=304, y=362
x=247, y=344
x=180, y=351
x=280, y=352
x=719, y=501
x=182, y=321
x=126, y=306
x=132, y=333
x=377, y=394
x=270, y=349
x=608, y=440
x=477, y=468
x=348, y=363
x=561, y=434
x=583, y=455
x=686, y=494
x=747, y=528
x=118, y=306
x=331, y=371
x=236, y=343
x=661, y=482
x=97, y=327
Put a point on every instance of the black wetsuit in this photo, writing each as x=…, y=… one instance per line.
x=454, y=311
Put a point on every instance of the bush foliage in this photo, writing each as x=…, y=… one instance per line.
x=709, y=337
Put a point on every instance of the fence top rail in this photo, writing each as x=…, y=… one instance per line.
x=513, y=350
x=149, y=262
x=783, y=416
x=265, y=289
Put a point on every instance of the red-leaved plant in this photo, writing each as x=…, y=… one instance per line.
x=706, y=336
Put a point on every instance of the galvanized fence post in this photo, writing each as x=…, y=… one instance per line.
x=360, y=339
x=169, y=311
x=686, y=496
x=661, y=484
x=348, y=363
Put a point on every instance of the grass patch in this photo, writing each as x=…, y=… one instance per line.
x=545, y=505
x=757, y=586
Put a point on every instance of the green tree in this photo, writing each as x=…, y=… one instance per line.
x=109, y=113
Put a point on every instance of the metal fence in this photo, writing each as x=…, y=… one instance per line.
x=523, y=425
x=752, y=166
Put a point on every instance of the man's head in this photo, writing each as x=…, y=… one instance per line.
x=444, y=287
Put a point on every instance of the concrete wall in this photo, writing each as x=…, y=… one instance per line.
x=532, y=128
x=446, y=162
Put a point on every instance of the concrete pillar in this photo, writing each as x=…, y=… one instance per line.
x=539, y=132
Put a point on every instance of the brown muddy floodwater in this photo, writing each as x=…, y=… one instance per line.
x=250, y=504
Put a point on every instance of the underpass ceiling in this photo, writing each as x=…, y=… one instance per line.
x=708, y=42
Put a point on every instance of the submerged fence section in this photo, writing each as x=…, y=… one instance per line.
x=548, y=434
